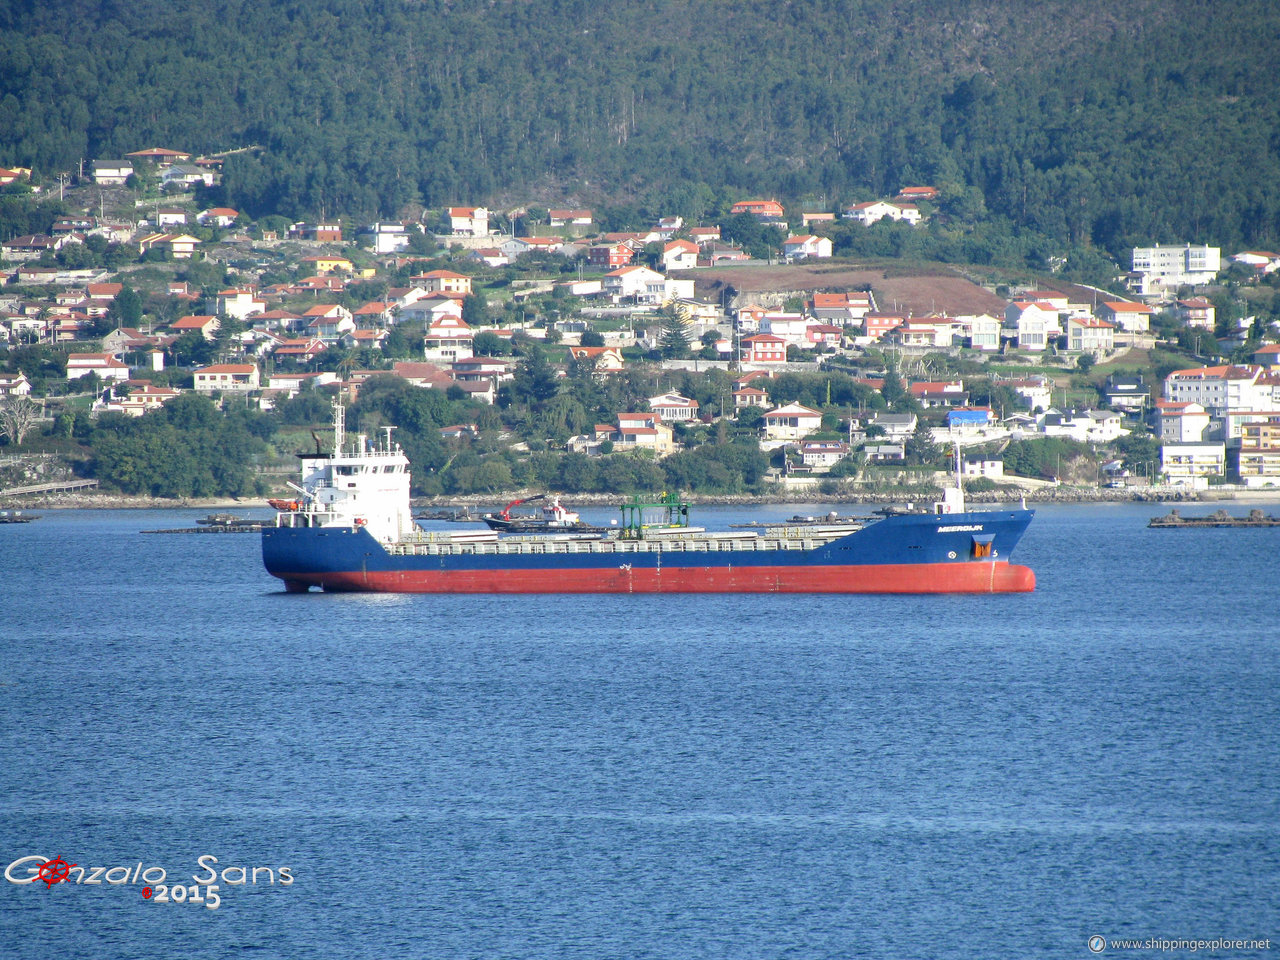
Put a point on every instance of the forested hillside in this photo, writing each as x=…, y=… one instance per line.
x=1102, y=123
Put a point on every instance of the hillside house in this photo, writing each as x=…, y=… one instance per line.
x=764, y=348
x=610, y=255
x=186, y=176
x=606, y=359
x=389, y=236
x=217, y=217
x=640, y=283
x=823, y=454
x=1182, y=422
x=1129, y=317
x=228, y=378
x=874, y=211
x=749, y=397
x=180, y=246
x=328, y=322
x=925, y=332
x=1089, y=335
x=896, y=426
x=1263, y=261
x=674, y=408
x=1127, y=392
x=301, y=350
x=766, y=210
x=239, y=302
x=981, y=331
x=806, y=247
x=162, y=157
x=680, y=255
x=876, y=325
x=638, y=431
x=14, y=385
x=422, y=374
x=139, y=400
x=447, y=340
x=1198, y=312
x=204, y=324
x=982, y=465
x=468, y=221
x=791, y=422
x=443, y=281
x=112, y=173
x=569, y=218
x=950, y=393
x=840, y=308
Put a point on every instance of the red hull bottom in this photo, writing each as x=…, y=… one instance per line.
x=964, y=577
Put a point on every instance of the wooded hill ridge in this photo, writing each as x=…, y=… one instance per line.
x=1103, y=124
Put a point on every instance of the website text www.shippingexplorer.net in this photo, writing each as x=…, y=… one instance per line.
x=1101, y=944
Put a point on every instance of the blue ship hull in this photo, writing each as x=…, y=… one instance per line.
x=910, y=553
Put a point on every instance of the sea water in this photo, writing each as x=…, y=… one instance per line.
x=737, y=776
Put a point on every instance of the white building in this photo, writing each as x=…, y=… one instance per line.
x=791, y=422
x=389, y=236
x=1259, y=464
x=982, y=331
x=103, y=364
x=1225, y=390
x=468, y=221
x=823, y=454
x=680, y=255
x=875, y=210
x=1192, y=463
x=806, y=246
x=447, y=340
x=1091, y=426
x=674, y=408
x=791, y=327
x=982, y=465
x=1182, y=422
x=645, y=285
x=239, y=302
x=228, y=378
x=1089, y=335
x=1162, y=268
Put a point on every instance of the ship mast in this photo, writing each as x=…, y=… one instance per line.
x=959, y=482
x=339, y=428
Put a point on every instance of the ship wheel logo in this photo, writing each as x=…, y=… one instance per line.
x=54, y=871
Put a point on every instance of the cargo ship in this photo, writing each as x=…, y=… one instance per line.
x=350, y=528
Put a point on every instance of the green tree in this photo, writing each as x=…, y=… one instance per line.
x=475, y=310
x=126, y=308
x=920, y=447
x=673, y=342
x=488, y=344
x=534, y=379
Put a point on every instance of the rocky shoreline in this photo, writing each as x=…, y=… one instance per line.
x=1060, y=494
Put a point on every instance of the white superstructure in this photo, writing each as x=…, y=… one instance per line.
x=365, y=485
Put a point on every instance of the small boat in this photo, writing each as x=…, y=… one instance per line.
x=17, y=516
x=554, y=517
